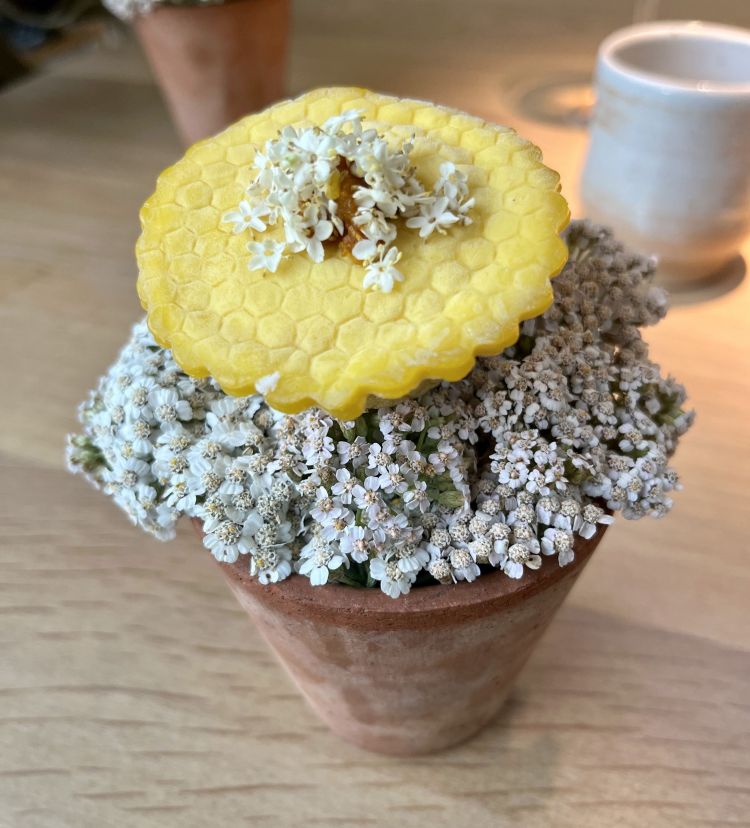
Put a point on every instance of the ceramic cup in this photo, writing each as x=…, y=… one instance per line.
x=668, y=166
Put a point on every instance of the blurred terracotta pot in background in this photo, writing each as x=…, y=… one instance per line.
x=412, y=675
x=216, y=63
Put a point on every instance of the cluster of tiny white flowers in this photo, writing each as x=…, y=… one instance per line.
x=301, y=176
x=129, y=9
x=533, y=448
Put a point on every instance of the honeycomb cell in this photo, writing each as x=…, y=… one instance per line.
x=449, y=135
x=324, y=108
x=240, y=155
x=524, y=200
x=435, y=336
x=344, y=303
x=333, y=343
x=494, y=157
x=505, y=179
x=290, y=112
x=395, y=112
x=276, y=331
x=301, y=301
x=251, y=357
x=265, y=297
x=475, y=254
x=210, y=151
x=178, y=242
x=315, y=335
x=351, y=334
x=297, y=363
x=392, y=334
x=430, y=117
x=449, y=278
x=427, y=304
x=199, y=324
x=208, y=246
x=500, y=226
x=195, y=295
x=325, y=367
x=222, y=172
x=194, y=195
x=479, y=138
x=235, y=325
x=185, y=266
x=465, y=305
x=227, y=198
x=202, y=221
x=383, y=307
x=337, y=272
x=227, y=297
x=218, y=269
x=514, y=253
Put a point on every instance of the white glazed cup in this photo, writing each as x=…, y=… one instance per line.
x=668, y=166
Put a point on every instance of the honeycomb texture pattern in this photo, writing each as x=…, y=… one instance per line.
x=333, y=343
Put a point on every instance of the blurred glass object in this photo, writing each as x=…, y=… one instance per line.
x=567, y=100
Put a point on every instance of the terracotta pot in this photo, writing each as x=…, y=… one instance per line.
x=415, y=674
x=216, y=63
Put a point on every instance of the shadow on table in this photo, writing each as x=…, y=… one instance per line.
x=728, y=279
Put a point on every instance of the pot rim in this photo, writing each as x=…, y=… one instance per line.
x=426, y=606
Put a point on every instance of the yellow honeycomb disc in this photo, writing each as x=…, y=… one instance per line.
x=332, y=343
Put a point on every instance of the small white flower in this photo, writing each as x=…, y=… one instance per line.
x=318, y=560
x=336, y=523
x=131, y=473
x=393, y=581
x=392, y=479
x=137, y=433
x=167, y=406
x=266, y=255
x=416, y=497
x=463, y=564
x=354, y=543
x=271, y=564
x=355, y=453
x=179, y=494
x=344, y=485
x=315, y=230
x=382, y=273
x=591, y=515
x=229, y=540
x=366, y=495
x=499, y=554
x=411, y=558
x=365, y=250
x=350, y=117
x=247, y=217
x=434, y=215
x=558, y=542
x=520, y=555
x=379, y=457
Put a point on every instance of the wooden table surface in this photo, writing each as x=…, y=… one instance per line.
x=133, y=691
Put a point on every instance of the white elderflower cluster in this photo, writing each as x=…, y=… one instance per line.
x=533, y=449
x=342, y=183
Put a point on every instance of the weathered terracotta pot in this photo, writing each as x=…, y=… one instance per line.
x=412, y=675
x=216, y=63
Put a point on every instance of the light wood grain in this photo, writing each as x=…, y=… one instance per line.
x=133, y=691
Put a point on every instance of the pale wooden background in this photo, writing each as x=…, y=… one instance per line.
x=132, y=689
